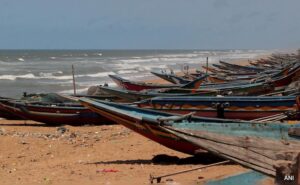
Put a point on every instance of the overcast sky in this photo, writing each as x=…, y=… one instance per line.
x=149, y=24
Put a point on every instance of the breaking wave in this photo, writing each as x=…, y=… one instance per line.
x=53, y=76
x=14, y=77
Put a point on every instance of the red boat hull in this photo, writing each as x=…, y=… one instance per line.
x=135, y=87
x=57, y=116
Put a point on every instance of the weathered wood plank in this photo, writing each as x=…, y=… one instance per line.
x=244, y=141
x=237, y=154
x=254, y=152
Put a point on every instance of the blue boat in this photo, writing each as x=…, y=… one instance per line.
x=231, y=107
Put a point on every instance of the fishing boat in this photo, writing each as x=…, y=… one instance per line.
x=265, y=147
x=230, y=107
x=138, y=86
x=54, y=114
x=238, y=90
x=171, y=77
x=136, y=118
x=260, y=86
x=45, y=98
x=49, y=97
x=215, y=71
x=6, y=114
x=242, y=68
x=289, y=76
x=132, y=96
x=141, y=121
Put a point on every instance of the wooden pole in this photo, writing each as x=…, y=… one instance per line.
x=74, y=84
x=206, y=65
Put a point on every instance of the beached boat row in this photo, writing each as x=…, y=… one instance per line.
x=240, y=113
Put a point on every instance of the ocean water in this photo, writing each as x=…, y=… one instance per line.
x=41, y=71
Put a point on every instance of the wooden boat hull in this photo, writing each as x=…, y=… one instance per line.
x=54, y=115
x=242, y=68
x=138, y=86
x=246, y=108
x=235, y=89
x=292, y=75
x=264, y=86
x=6, y=114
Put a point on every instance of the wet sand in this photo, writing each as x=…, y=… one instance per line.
x=31, y=153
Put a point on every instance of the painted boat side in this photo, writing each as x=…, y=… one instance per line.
x=235, y=107
x=55, y=115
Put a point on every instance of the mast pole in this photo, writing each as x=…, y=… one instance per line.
x=206, y=65
x=74, y=84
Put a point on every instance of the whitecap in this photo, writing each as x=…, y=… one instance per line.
x=14, y=77
x=71, y=91
x=101, y=74
x=50, y=74
x=66, y=77
x=127, y=71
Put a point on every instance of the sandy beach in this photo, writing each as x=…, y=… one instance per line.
x=31, y=153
